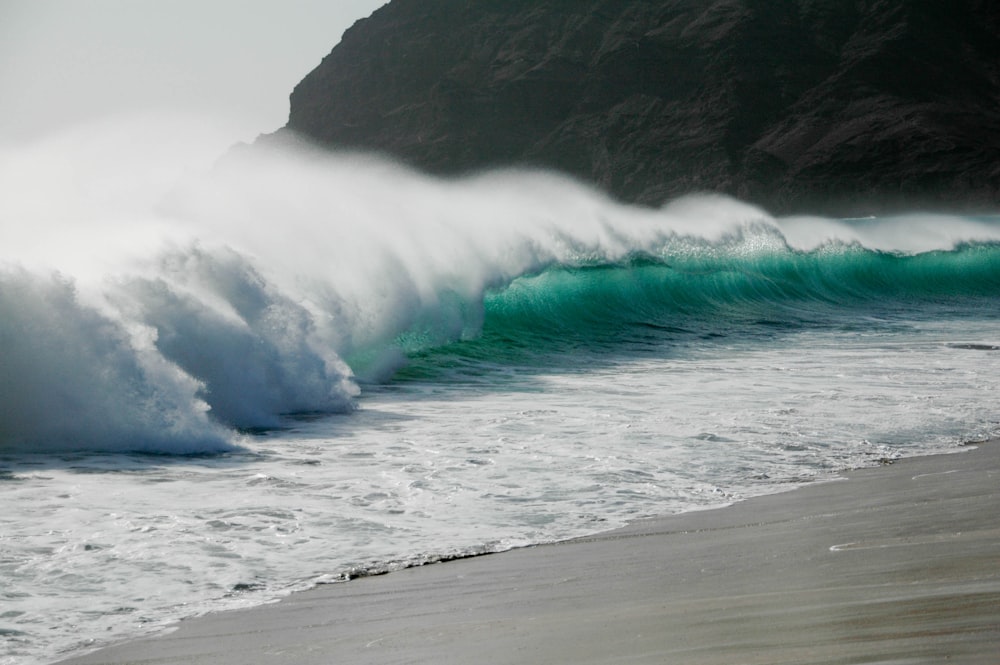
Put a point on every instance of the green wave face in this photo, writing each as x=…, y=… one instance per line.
x=648, y=302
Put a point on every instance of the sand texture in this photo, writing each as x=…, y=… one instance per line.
x=897, y=564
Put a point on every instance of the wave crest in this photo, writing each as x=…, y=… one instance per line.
x=276, y=281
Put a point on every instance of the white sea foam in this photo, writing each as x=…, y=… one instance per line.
x=147, y=306
x=74, y=379
x=267, y=282
x=910, y=234
x=244, y=285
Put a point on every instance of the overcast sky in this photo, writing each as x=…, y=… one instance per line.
x=63, y=62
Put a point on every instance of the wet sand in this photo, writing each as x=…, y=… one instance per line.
x=897, y=564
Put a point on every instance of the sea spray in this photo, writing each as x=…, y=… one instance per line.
x=277, y=280
x=509, y=358
x=76, y=380
x=253, y=348
x=252, y=281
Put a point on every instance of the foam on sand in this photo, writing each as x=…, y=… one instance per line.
x=893, y=564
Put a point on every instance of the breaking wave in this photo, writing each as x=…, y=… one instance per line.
x=166, y=317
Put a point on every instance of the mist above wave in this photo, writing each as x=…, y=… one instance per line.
x=149, y=305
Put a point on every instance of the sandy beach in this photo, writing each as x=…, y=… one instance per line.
x=895, y=564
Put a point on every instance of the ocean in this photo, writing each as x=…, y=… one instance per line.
x=219, y=386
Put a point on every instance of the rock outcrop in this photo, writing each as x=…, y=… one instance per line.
x=842, y=106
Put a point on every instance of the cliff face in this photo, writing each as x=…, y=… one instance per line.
x=848, y=106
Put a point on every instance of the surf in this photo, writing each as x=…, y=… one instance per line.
x=169, y=316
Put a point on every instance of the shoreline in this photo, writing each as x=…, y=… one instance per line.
x=894, y=563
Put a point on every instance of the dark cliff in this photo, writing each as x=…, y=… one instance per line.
x=821, y=105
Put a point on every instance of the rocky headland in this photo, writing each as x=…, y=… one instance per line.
x=847, y=107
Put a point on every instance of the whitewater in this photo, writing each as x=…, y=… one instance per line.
x=225, y=379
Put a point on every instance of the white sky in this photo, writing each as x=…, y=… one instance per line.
x=64, y=62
